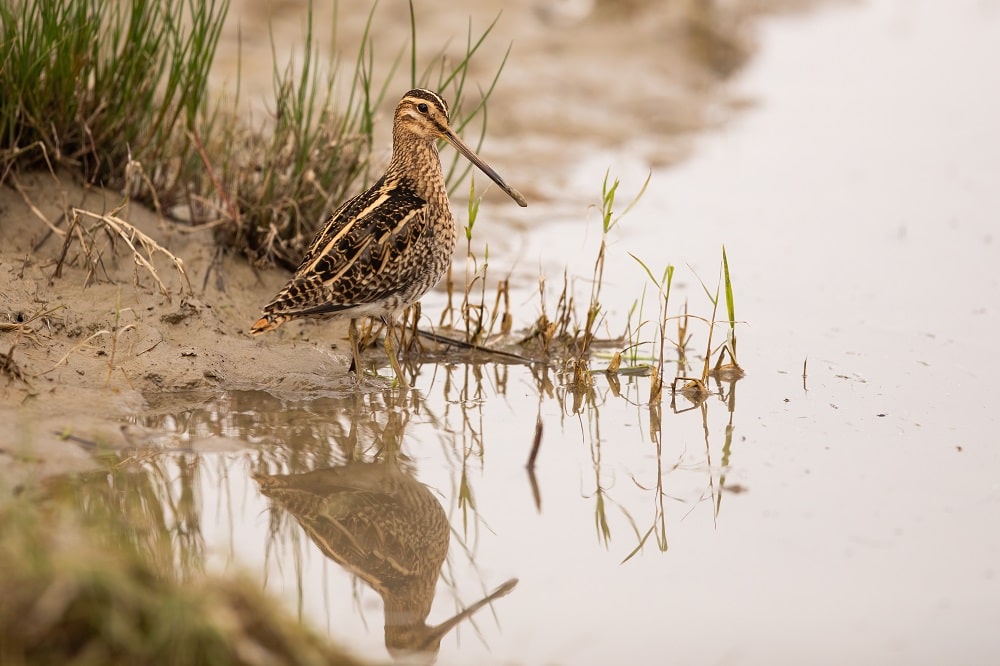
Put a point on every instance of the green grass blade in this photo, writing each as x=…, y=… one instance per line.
x=730, y=301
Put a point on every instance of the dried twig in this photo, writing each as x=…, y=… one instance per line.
x=78, y=346
x=143, y=247
x=34, y=209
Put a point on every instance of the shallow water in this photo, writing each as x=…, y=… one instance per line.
x=606, y=477
x=848, y=515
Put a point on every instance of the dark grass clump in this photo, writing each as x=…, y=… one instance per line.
x=275, y=184
x=76, y=592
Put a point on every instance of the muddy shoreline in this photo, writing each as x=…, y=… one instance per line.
x=104, y=342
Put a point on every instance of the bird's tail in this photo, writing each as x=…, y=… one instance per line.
x=268, y=322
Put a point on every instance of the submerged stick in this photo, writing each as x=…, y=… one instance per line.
x=462, y=344
x=536, y=444
x=536, y=494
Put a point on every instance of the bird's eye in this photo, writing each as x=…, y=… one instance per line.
x=422, y=108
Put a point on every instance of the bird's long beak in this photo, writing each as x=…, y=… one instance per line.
x=460, y=146
x=434, y=636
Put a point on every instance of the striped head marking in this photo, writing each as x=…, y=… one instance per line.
x=423, y=113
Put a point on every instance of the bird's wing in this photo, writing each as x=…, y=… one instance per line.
x=358, y=242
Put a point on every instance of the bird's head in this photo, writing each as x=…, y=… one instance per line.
x=423, y=115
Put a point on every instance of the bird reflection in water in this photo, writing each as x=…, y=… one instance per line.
x=388, y=529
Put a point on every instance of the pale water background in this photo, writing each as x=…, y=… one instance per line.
x=846, y=517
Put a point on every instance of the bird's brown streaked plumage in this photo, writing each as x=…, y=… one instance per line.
x=384, y=249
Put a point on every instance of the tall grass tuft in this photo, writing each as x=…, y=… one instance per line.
x=88, y=84
x=118, y=92
x=281, y=181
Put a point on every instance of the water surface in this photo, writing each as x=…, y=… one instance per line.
x=847, y=515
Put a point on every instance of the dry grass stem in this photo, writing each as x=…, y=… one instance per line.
x=34, y=209
x=142, y=246
x=83, y=343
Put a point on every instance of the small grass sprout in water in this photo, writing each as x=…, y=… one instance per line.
x=478, y=318
x=570, y=339
x=726, y=367
x=731, y=370
x=663, y=285
x=695, y=388
x=473, y=313
x=609, y=220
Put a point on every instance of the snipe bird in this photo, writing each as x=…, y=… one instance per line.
x=384, y=249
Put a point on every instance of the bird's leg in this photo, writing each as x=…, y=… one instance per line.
x=355, y=352
x=390, y=350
